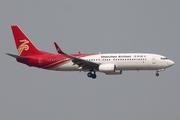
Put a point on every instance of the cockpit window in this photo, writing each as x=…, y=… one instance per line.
x=164, y=58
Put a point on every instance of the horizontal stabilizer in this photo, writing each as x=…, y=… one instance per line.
x=17, y=56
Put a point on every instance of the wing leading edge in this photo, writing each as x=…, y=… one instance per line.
x=82, y=64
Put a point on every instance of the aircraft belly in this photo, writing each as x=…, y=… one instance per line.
x=68, y=67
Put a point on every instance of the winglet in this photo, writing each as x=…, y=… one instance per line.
x=58, y=48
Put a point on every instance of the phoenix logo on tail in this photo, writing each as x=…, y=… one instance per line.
x=109, y=63
x=23, y=46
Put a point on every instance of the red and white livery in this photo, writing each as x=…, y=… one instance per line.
x=110, y=64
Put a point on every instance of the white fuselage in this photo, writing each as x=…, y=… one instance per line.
x=124, y=61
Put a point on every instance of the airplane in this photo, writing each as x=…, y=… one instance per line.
x=108, y=63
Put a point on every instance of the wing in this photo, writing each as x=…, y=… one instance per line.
x=82, y=64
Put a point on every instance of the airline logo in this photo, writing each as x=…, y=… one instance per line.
x=23, y=46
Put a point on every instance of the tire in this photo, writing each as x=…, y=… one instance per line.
x=157, y=74
x=94, y=76
x=89, y=74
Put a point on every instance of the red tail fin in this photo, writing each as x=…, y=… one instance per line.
x=24, y=46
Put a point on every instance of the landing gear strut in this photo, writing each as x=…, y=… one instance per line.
x=92, y=74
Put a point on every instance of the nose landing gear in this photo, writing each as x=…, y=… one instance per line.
x=160, y=70
x=157, y=74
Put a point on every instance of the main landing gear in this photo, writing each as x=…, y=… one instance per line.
x=92, y=74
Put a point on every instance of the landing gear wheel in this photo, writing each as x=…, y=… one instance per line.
x=94, y=76
x=89, y=74
x=157, y=74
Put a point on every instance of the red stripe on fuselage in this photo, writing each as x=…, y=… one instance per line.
x=61, y=61
x=57, y=63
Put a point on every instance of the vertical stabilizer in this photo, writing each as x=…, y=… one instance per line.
x=23, y=44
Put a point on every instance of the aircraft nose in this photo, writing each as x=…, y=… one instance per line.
x=171, y=63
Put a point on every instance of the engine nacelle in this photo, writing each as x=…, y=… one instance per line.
x=107, y=68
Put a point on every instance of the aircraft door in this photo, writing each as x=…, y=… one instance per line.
x=40, y=61
x=153, y=60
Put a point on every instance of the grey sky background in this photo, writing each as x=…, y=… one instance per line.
x=149, y=26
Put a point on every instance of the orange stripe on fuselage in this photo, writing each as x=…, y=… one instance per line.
x=56, y=63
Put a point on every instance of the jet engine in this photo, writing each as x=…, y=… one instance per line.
x=109, y=69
